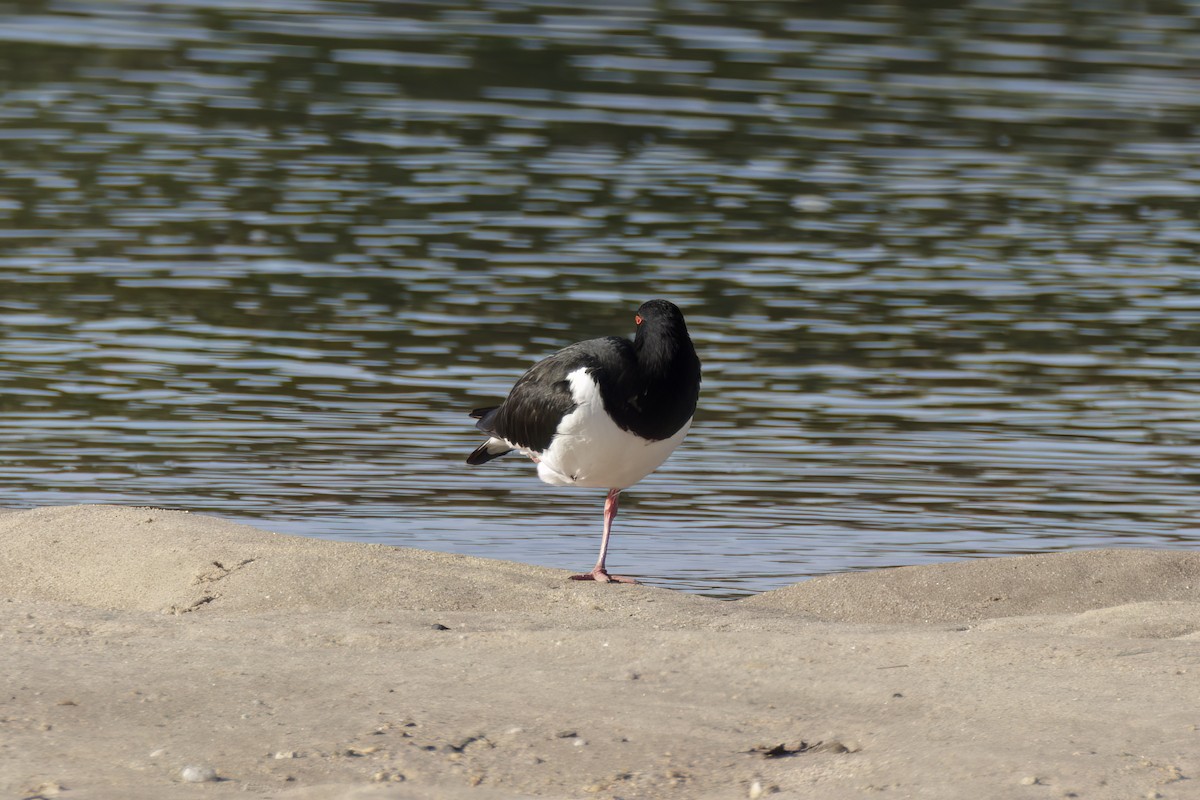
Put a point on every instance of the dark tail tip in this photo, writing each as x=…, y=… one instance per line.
x=482, y=455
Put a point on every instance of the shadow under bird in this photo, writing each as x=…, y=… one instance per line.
x=603, y=413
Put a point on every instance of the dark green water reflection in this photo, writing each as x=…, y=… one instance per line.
x=258, y=259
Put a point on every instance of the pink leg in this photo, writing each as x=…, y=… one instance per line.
x=598, y=573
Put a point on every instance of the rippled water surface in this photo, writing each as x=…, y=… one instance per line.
x=259, y=258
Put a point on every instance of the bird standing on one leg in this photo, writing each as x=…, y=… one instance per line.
x=604, y=413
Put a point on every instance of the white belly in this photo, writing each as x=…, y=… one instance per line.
x=590, y=450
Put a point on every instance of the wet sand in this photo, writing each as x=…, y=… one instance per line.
x=139, y=642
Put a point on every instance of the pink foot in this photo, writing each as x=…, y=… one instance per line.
x=602, y=576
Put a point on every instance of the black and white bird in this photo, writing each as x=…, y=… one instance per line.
x=603, y=413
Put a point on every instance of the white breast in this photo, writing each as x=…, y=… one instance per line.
x=590, y=450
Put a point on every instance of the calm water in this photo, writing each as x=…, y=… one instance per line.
x=258, y=259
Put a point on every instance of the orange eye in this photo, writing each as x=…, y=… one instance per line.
x=637, y=318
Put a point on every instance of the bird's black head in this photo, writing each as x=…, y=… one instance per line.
x=668, y=381
x=662, y=337
x=659, y=316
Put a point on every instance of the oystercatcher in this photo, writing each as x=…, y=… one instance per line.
x=604, y=413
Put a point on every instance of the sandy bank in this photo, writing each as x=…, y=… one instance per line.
x=137, y=642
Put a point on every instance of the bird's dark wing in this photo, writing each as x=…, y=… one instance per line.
x=530, y=415
x=485, y=417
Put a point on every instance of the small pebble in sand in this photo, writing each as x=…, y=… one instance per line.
x=388, y=777
x=757, y=790
x=197, y=773
x=1031, y=780
x=565, y=734
x=282, y=754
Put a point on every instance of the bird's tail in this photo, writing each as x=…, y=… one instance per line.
x=493, y=447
